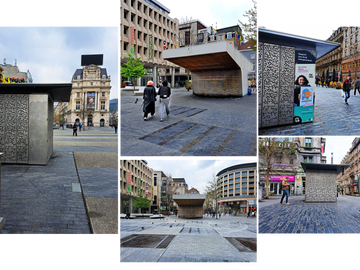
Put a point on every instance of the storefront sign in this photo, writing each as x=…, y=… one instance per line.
x=132, y=36
x=129, y=182
x=151, y=47
x=282, y=177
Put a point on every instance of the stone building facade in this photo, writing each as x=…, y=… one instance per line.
x=237, y=188
x=90, y=97
x=136, y=177
x=12, y=71
x=146, y=28
x=349, y=180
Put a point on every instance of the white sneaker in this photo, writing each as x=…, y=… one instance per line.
x=161, y=120
x=144, y=118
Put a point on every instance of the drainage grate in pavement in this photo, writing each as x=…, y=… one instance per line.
x=122, y=240
x=250, y=243
x=243, y=244
x=166, y=242
x=144, y=241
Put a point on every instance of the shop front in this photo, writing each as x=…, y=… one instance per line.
x=237, y=207
x=274, y=184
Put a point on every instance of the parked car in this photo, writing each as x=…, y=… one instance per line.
x=129, y=83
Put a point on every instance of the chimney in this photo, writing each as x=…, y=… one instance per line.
x=332, y=158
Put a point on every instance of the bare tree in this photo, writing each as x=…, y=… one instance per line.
x=271, y=152
x=213, y=192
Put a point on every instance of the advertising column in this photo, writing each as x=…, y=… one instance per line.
x=304, y=90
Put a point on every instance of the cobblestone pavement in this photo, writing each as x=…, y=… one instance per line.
x=51, y=199
x=197, y=126
x=332, y=116
x=301, y=217
x=192, y=240
x=41, y=199
x=97, y=170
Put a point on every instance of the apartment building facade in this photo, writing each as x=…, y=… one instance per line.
x=136, y=178
x=146, y=31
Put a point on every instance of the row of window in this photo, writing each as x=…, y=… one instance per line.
x=147, y=11
x=102, y=105
x=143, y=50
x=149, y=25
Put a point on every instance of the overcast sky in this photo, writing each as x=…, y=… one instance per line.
x=52, y=54
x=339, y=145
x=210, y=12
x=316, y=31
x=197, y=172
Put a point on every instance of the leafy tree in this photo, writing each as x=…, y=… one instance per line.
x=141, y=202
x=250, y=28
x=133, y=68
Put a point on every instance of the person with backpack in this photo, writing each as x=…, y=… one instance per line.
x=285, y=190
x=164, y=93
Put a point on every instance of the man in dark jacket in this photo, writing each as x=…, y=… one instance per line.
x=357, y=86
x=164, y=93
x=346, y=89
x=149, y=97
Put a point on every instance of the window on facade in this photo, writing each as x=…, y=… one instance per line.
x=102, y=105
x=307, y=142
x=103, y=94
x=78, y=94
x=308, y=159
x=77, y=105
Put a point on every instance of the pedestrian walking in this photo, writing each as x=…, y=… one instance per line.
x=115, y=126
x=249, y=212
x=342, y=191
x=164, y=93
x=149, y=97
x=346, y=89
x=80, y=126
x=357, y=86
x=75, y=129
x=285, y=189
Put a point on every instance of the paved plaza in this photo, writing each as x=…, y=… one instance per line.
x=229, y=239
x=332, y=116
x=301, y=217
x=197, y=126
x=75, y=193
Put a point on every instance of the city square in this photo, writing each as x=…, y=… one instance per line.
x=172, y=239
x=196, y=126
x=76, y=193
x=329, y=118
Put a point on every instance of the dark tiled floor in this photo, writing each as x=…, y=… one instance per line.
x=301, y=217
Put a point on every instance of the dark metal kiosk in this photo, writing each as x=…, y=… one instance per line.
x=282, y=60
x=26, y=121
x=321, y=181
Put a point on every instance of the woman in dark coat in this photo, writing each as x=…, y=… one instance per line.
x=149, y=99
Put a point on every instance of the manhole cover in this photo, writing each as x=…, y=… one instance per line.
x=144, y=241
x=248, y=242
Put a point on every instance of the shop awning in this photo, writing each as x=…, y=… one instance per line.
x=322, y=47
